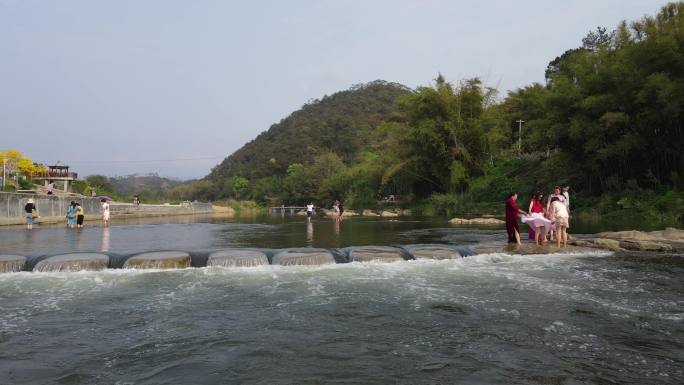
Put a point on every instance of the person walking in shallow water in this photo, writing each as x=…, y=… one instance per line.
x=512, y=211
x=31, y=213
x=80, y=215
x=71, y=215
x=105, y=212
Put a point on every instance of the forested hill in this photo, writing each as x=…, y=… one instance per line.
x=340, y=123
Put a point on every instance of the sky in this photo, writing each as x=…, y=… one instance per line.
x=173, y=87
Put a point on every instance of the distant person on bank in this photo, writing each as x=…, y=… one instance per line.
x=71, y=215
x=31, y=213
x=80, y=216
x=104, y=206
x=512, y=211
x=309, y=210
x=50, y=188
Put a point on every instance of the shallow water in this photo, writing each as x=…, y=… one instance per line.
x=591, y=318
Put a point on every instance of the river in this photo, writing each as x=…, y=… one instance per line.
x=587, y=317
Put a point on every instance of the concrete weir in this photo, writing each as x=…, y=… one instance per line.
x=303, y=257
x=159, y=260
x=237, y=258
x=11, y=263
x=434, y=252
x=73, y=262
x=376, y=254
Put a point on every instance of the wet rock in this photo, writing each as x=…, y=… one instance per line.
x=376, y=254
x=303, y=257
x=641, y=245
x=406, y=212
x=12, y=263
x=673, y=234
x=73, y=262
x=605, y=243
x=349, y=213
x=159, y=260
x=476, y=221
x=434, y=252
x=237, y=258
x=630, y=234
x=370, y=213
x=389, y=214
x=667, y=240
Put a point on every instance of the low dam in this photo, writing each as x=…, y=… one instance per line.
x=234, y=257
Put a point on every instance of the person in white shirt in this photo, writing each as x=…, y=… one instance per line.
x=105, y=212
x=559, y=216
x=309, y=209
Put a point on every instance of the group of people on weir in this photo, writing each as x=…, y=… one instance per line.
x=548, y=218
x=75, y=215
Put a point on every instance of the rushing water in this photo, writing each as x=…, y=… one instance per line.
x=584, y=318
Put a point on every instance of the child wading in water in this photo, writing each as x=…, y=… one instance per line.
x=80, y=215
x=560, y=216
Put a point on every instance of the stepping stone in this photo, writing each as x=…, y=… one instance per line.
x=376, y=254
x=303, y=257
x=73, y=262
x=11, y=263
x=159, y=260
x=237, y=258
x=434, y=252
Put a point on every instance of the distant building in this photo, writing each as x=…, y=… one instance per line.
x=58, y=173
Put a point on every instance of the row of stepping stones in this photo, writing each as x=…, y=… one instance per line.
x=226, y=258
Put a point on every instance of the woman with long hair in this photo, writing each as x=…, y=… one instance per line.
x=536, y=219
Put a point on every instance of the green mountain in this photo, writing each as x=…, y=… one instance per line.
x=340, y=123
x=147, y=184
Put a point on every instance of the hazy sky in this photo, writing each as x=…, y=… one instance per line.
x=112, y=87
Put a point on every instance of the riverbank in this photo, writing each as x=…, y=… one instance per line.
x=52, y=209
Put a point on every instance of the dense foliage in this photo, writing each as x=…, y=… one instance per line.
x=608, y=121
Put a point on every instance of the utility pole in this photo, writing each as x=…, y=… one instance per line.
x=4, y=168
x=520, y=122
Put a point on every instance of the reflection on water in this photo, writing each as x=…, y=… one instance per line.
x=309, y=232
x=104, y=245
x=266, y=232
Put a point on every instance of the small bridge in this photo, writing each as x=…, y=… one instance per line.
x=286, y=209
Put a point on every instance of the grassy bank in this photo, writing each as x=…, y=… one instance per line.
x=243, y=208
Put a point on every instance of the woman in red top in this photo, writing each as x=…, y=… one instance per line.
x=536, y=218
x=512, y=211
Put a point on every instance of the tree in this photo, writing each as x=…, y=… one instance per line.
x=240, y=186
x=100, y=182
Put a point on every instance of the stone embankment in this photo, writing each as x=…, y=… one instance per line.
x=668, y=240
x=52, y=208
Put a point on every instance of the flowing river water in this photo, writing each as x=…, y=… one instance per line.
x=574, y=317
